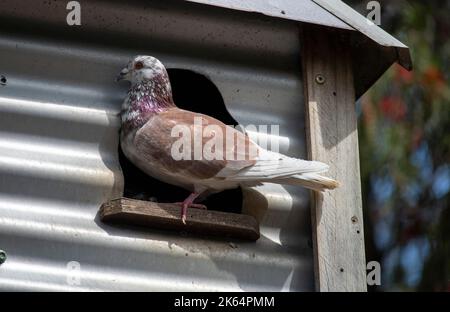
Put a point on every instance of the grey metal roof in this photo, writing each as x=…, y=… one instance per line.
x=59, y=148
x=363, y=25
x=296, y=10
x=333, y=13
x=336, y=14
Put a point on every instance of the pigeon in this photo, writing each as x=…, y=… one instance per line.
x=148, y=119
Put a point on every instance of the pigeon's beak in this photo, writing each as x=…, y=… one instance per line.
x=123, y=74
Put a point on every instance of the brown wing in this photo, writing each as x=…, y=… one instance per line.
x=154, y=139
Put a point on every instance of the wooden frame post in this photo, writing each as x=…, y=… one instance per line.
x=332, y=137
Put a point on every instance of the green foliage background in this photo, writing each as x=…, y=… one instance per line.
x=404, y=127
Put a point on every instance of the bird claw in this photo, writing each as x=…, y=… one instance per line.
x=185, y=206
x=200, y=206
x=197, y=206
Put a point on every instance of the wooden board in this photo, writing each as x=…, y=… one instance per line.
x=167, y=216
x=332, y=137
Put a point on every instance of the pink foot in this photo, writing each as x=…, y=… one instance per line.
x=189, y=202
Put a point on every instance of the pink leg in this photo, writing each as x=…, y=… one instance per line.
x=189, y=202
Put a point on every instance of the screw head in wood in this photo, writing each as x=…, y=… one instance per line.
x=2, y=256
x=2, y=80
x=320, y=79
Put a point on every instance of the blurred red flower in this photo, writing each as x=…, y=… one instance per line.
x=433, y=77
x=403, y=75
x=393, y=108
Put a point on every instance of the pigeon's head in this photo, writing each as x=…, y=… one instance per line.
x=142, y=68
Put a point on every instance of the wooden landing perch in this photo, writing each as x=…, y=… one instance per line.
x=167, y=217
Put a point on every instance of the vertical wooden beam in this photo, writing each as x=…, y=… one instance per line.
x=332, y=137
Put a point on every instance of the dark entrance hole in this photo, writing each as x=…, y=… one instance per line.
x=194, y=92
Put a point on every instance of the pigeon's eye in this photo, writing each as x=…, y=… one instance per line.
x=138, y=65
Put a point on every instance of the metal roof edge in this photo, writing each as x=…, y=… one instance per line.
x=380, y=48
x=331, y=13
x=348, y=15
x=295, y=10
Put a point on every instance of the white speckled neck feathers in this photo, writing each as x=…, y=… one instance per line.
x=146, y=98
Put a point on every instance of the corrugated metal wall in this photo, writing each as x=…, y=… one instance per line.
x=59, y=136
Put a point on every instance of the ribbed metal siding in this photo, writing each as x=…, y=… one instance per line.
x=59, y=136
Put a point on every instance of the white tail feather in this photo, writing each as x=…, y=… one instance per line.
x=280, y=169
x=271, y=165
x=312, y=181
